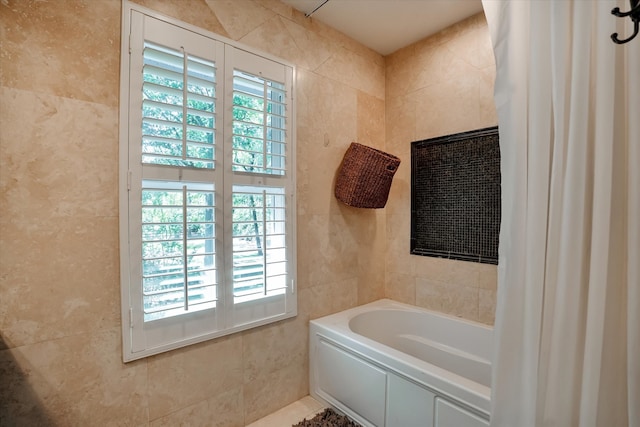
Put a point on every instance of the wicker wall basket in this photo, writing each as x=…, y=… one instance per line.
x=365, y=177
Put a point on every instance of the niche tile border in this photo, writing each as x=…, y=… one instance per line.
x=455, y=196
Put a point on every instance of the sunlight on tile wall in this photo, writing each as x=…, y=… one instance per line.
x=60, y=352
x=439, y=86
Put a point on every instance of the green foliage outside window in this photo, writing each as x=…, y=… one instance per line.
x=166, y=143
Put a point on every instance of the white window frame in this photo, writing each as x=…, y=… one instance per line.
x=230, y=313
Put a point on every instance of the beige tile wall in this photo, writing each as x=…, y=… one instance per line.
x=438, y=86
x=60, y=347
x=60, y=361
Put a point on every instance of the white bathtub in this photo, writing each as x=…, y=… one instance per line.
x=395, y=365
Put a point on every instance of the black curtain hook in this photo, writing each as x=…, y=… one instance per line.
x=634, y=13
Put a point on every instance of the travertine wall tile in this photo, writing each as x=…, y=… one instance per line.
x=335, y=37
x=355, y=71
x=316, y=301
x=345, y=294
x=70, y=51
x=328, y=298
x=59, y=226
x=278, y=7
x=400, y=72
x=440, y=66
x=223, y=410
x=371, y=232
x=266, y=393
x=75, y=380
x=449, y=271
x=451, y=299
x=290, y=41
x=237, y=19
x=400, y=125
x=401, y=189
x=328, y=248
x=438, y=86
x=321, y=167
x=486, y=306
x=370, y=129
x=194, y=12
x=267, y=349
x=327, y=124
x=189, y=375
x=58, y=217
x=59, y=157
x=59, y=278
x=398, y=232
x=400, y=287
x=458, y=29
x=488, y=113
x=487, y=277
x=457, y=109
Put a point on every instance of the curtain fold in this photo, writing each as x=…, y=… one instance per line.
x=567, y=332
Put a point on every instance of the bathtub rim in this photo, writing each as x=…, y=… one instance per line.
x=385, y=304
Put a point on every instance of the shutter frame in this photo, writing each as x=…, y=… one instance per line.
x=142, y=338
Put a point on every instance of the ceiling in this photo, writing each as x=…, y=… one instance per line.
x=388, y=25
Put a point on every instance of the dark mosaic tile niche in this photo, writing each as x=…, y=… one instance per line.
x=455, y=196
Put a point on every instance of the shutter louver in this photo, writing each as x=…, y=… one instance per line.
x=259, y=124
x=178, y=248
x=178, y=110
x=259, y=242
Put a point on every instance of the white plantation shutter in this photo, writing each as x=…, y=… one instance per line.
x=178, y=108
x=259, y=134
x=259, y=242
x=207, y=206
x=178, y=248
x=260, y=260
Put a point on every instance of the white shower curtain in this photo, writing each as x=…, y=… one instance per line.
x=567, y=329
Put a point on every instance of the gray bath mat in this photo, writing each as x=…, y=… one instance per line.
x=328, y=418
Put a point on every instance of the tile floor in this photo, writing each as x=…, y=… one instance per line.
x=306, y=407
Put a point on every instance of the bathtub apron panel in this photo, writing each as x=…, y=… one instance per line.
x=437, y=378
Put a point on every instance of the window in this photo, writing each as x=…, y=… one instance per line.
x=207, y=186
